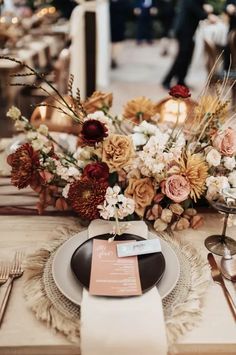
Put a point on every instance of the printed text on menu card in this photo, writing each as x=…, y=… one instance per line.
x=111, y=275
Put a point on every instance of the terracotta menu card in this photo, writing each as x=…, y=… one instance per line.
x=111, y=275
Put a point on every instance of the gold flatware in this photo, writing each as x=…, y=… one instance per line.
x=16, y=271
x=4, y=272
x=217, y=277
x=228, y=266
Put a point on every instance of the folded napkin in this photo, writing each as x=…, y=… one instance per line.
x=127, y=326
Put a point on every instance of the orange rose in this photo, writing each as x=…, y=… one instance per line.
x=117, y=151
x=142, y=192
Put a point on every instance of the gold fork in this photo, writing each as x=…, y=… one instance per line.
x=16, y=271
x=4, y=272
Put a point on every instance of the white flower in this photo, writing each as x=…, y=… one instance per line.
x=73, y=172
x=111, y=196
x=213, y=158
x=66, y=172
x=139, y=139
x=32, y=135
x=126, y=208
x=221, y=182
x=83, y=156
x=116, y=204
x=229, y=163
x=43, y=129
x=106, y=211
x=215, y=185
x=65, y=191
x=40, y=142
x=14, y=113
x=232, y=178
x=19, y=125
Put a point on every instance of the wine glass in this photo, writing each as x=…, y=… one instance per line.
x=217, y=243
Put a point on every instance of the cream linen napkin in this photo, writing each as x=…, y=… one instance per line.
x=127, y=326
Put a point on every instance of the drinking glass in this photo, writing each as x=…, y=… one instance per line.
x=226, y=204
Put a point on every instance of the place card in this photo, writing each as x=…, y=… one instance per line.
x=111, y=275
x=138, y=248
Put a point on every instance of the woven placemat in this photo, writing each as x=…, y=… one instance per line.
x=182, y=307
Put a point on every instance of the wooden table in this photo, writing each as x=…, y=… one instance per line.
x=22, y=334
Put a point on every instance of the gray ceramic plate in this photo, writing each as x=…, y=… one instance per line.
x=69, y=286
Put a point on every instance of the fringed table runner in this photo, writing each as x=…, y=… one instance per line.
x=182, y=307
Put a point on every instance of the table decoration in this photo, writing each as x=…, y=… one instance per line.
x=158, y=172
x=151, y=267
x=220, y=243
x=181, y=307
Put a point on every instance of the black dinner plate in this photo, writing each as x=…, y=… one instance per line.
x=151, y=266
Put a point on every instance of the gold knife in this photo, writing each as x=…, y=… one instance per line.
x=217, y=277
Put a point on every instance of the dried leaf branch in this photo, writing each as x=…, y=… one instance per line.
x=74, y=114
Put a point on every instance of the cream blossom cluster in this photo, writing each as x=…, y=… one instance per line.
x=14, y=113
x=213, y=157
x=215, y=185
x=39, y=141
x=229, y=163
x=143, y=132
x=83, y=155
x=116, y=205
x=67, y=173
x=20, y=122
x=159, y=152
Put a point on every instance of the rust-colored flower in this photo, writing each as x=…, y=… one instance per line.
x=24, y=163
x=85, y=195
x=140, y=109
x=93, y=131
x=97, y=171
x=179, y=92
x=98, y=101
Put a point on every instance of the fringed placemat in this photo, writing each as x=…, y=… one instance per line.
x=182, y=307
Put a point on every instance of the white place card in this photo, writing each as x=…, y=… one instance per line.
x=138, y=248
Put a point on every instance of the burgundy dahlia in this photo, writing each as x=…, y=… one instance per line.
x=85, y=195
x=97, y=171
x=24, y=163
x=180, y=91
x=93, y=131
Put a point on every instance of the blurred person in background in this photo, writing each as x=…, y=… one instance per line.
x=166, y=14
x=118, y=14
x=230, y=9
x=145, y=11
x=65, y=7
x=190, y=13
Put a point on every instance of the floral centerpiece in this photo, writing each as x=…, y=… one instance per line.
x=155, y=171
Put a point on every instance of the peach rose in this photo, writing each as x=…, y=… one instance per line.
x=142, y=192
x=225, y=142
x=176, y=187
x=117, y=151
